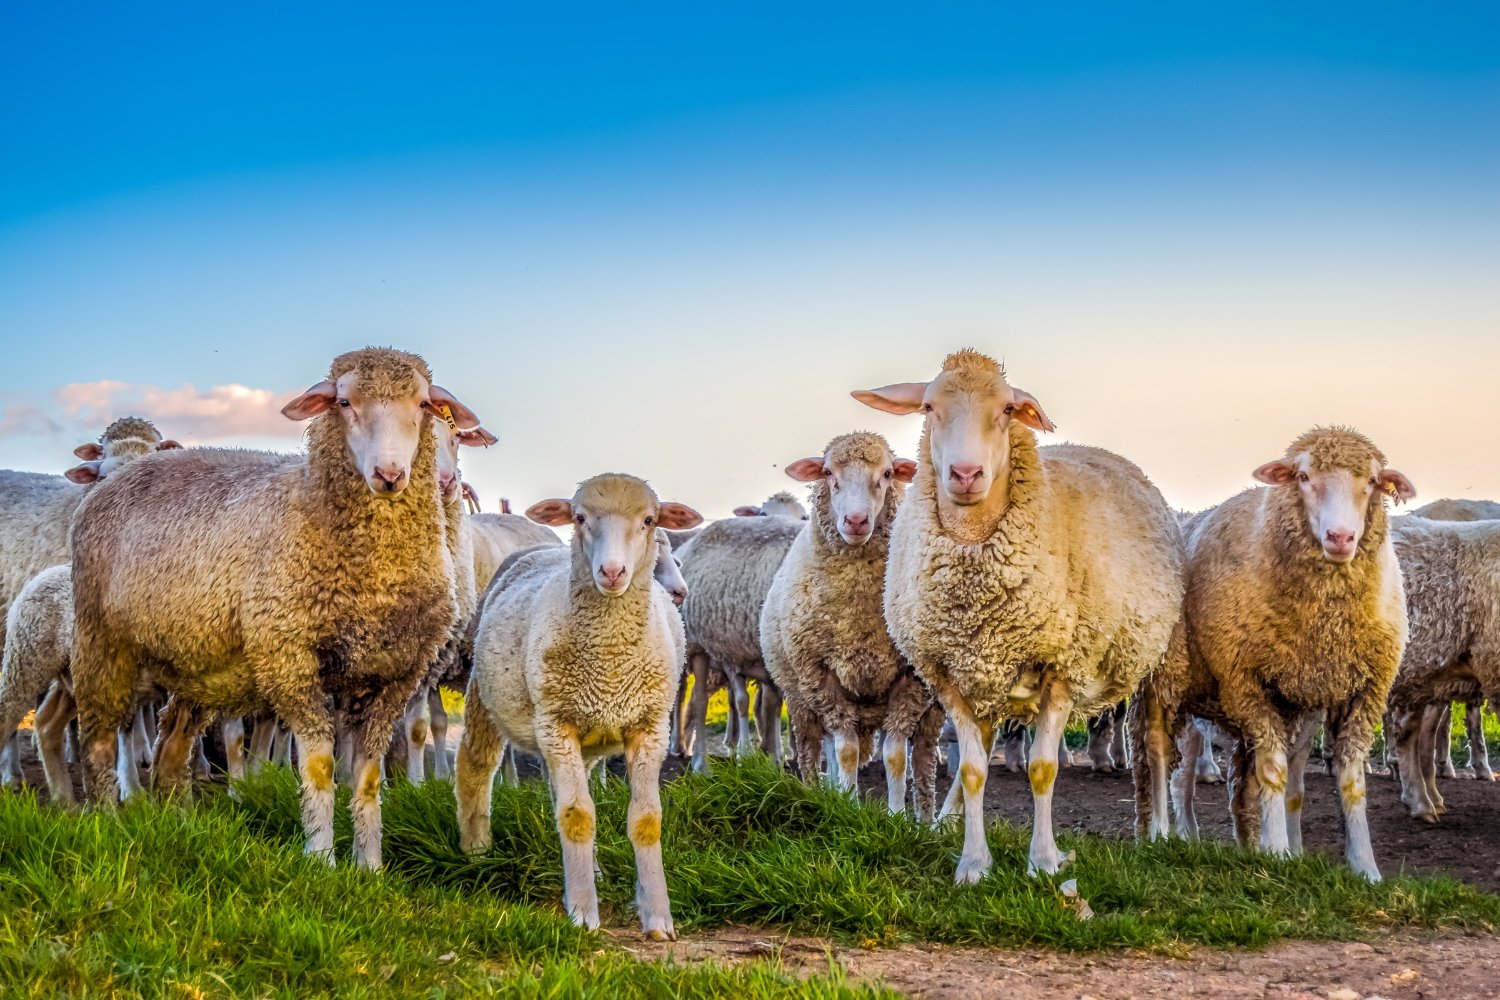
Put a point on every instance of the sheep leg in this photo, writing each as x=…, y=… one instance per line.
x=698, y=710
x=283, y=743
x=177, y=732
x=51, y=726
x=364, y=806
x=1405, y=733
x=10, y=766
x=1205, y=768
x=1101, y=740
x=233, y=730
x=924, y=762
x=1244, y=795
x=415, y=728
x=974, y=753
x=1297, y=776
x=739, y=690
x=1442, y=741
x=895, y=751
x=479, y=751
x=71, y=742
x=104, y=686
x=768, y=703
x=1427, y=753
x=438, y=725
x=262, y=738
x=1479, y=751
x=1352, y=735
x=126, y=772
x=675, y=718
x=575, y=814
x=1052, y=719
x=807, y=742
x=1120, y=745
x=1015, y=746
x=1184, y=781
x=845, y=772
x=1153, y=725
x=644, y=752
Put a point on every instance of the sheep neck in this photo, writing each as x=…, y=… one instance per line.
x=976, y=524
x=583, y=594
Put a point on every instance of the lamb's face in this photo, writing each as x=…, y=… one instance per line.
x=102, y=460
x=668, y=570
x=1336, y=500
x=858, y=480
x=449, y=438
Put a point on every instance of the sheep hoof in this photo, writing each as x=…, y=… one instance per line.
x=1426, y=817
x=661, y=933
x=971, y=871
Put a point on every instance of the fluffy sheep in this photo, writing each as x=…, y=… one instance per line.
x=312, y=585
x=1294, y=607
x=577, y=657
x=1451, y=572
x=841, y=676
x=781, y=504
x=1022, y=583
x=1459, y=510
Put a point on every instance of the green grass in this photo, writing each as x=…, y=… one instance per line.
x=1459, y=733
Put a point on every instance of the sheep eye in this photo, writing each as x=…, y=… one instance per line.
x=887, y=474
x=926, y=407
x=1302, y=477
x=1010, y=408
x=650, y=520
x=579, y=519
x=1373, y=482
x=343, y=402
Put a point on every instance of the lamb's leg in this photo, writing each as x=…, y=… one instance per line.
x=1250, y=709
x=126, y=772
x=846, y=758
x=1052, y=718
x=1296, y=777
x=1427, y=751
x=1184, y=782
x=698, y=710
x=1479, y=751
x=574, y=811
x=233, y=730
x=739, y=690
x=1244, y=795
x=974, y=758
x=1442, y=743
x=51, y=726
x=924, y=746
x=1404, y=732
x=438, y=725
x=768, y=702
x=479, y=752
x=1352, y=735
x=364, y=806
x=807, y=743
x=1153, y=724
x=262, y=736
x=415, y=727
x=644, y=752
x=895, y=753
x=509, y=770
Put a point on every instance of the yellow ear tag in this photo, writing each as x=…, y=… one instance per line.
x=1389, y=487
x=447, y=413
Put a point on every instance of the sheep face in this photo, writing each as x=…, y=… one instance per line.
x=668, y=570
x=968, y=411
x=1338, y=475
x=124, y=441
x=448, y=440
x=380, y=399
x=614, y=521
x=779, y=505
x=857, y=470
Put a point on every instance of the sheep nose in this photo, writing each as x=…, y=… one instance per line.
x=390, y=475
x=964, y=475
x=612, y=574
x=1340, y=539
x=446, y=481
x=856, y=522
x=679, y=594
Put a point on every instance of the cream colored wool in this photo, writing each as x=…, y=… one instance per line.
x=298, y=587
x=496, y=536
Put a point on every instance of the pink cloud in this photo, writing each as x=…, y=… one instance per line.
x=187, y=413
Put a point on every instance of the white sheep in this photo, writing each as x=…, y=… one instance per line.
x=1022, y=582
x=576, y=658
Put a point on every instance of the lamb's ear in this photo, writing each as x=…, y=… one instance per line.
x=476, y=437
x=1397, y=486
x=1276, y=473
x=89, y=452
x=167, y=445
x=312, y=402
x=551, y=512
x=677, y=516
x=806, y=470
x=463, y=417
x=744, y=510
x=901, y=398
x=1029, y=411
x=906, y=469
x=84, y=474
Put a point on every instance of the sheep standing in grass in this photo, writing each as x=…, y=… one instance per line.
x=1022, y=582
x=1294, y=607
x=823, y=632
x=312, y=584
x=578, y=659
x=1451, y=572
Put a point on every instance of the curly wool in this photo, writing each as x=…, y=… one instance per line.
x=1082, y=575
x=131, y=429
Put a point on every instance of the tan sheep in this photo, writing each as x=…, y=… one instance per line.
x=576, y=658
x=1022, y=583
x=311, y=582
x=1294, y=607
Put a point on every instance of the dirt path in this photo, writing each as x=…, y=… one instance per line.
x=1397, y=968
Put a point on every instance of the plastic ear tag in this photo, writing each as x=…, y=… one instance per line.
x=447, y=414
x=1389, y=487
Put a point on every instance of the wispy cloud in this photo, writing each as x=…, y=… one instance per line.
x=187, y=413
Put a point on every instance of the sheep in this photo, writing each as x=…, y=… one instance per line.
x=576, y=658
x=496, y=536
x=1451, y=571
x=1294, y=607
x=310, y=579
x=728, y=569
x=35, y=511
x=781, y=504
x=1022, y=583
x=1459, y=510
x=841, y=676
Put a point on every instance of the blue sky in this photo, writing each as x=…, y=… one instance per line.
x=668, y=239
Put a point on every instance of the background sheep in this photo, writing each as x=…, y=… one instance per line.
x=781, y=504
x=1022, y=583
x=1294, y=607
x=310, y=582
x=823, y=634
x=577, y=657
x=1459, y=510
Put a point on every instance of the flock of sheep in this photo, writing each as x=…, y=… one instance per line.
x=991, y=583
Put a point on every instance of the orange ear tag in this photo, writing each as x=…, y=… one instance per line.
x=447, y=414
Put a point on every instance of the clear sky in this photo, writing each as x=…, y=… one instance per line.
x=669, y=239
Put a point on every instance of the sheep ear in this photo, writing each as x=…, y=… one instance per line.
x=906, y=469
x=471, y=495
x=463, y=417
x=746, y=511
x=476, y=437
x=806, y=470
x=89, y=452
x=676, y=516
x=84, y=474
x=1276, y=473
x=551, y=512
x=901, y=398
x=167, y=445
x=1397, y=486
x=1030, y=412
x=312, y=402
